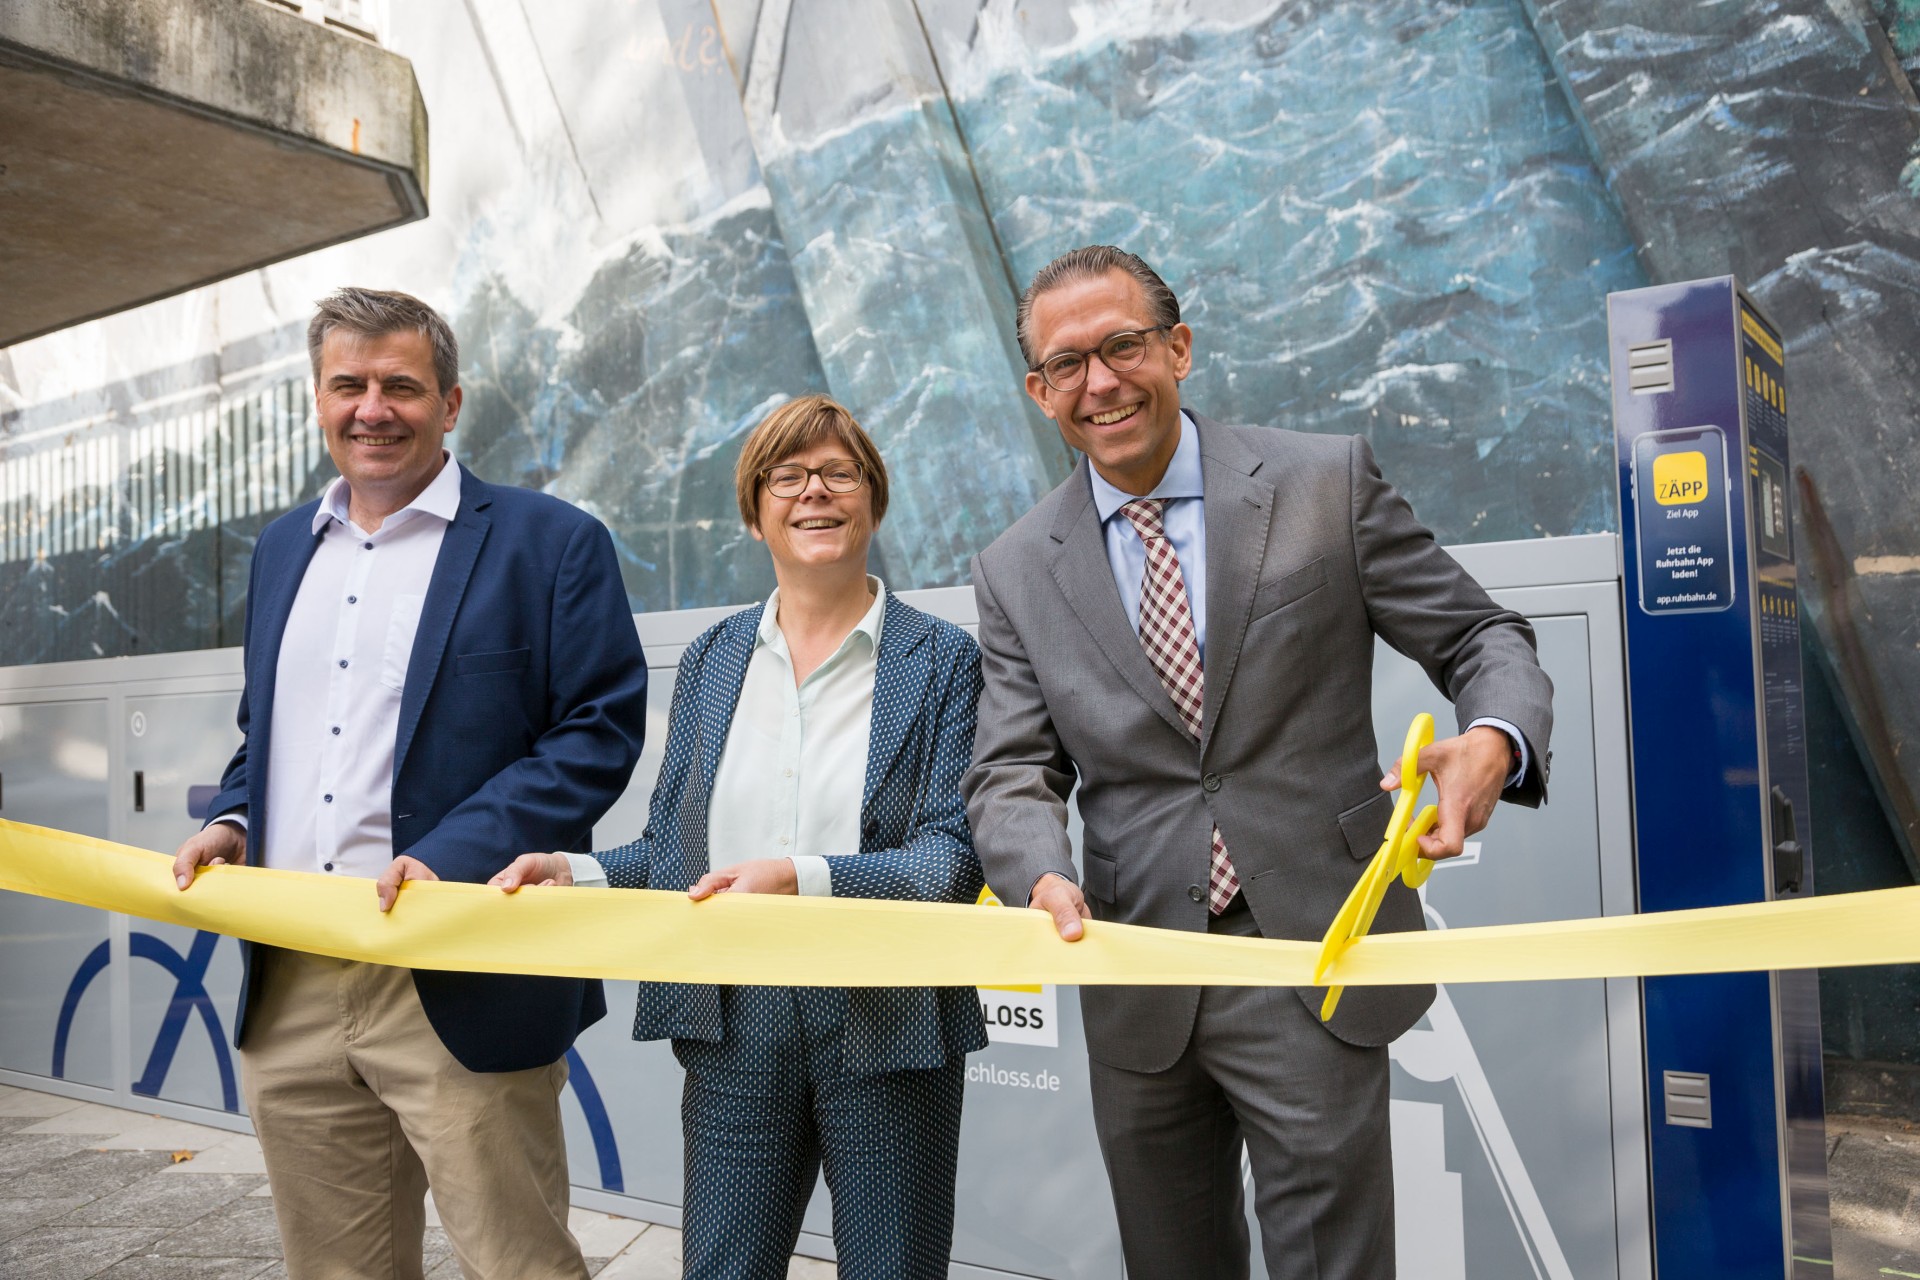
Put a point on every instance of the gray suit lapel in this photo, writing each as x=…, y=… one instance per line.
x=1080, y=567
x=1239, y=512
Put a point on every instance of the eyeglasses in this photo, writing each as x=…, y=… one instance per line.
x=789, y=479
x=1119, y=352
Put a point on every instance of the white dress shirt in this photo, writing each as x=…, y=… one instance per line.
x=1184, y=518
x=337, y=685
x=794, y=766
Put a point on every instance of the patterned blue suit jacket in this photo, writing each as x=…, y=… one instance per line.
x=914, y=840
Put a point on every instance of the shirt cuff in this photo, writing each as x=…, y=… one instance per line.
x=812, y=877
x=1519, y=746
x=232, y=817
x=587, y=871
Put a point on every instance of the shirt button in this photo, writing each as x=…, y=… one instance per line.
x=343, y=662
x=783, y=839
x=1209, y=783
x=789, y=773
x=1195, y=892
x=353, y=599
x=336, y=731
x=328, y=797
x=367, y=545
x=328, y=867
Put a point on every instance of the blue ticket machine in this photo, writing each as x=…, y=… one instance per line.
x=1735, y=1117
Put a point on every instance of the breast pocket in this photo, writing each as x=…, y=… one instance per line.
x=481, y=664
x=402, y=625
x=1271, y=597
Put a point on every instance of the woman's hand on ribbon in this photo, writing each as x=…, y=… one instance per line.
x=534, y=868
x=758, y=875
x=1469, y=771
x=215, y=845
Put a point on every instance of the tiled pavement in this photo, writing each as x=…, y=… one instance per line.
x=89, y=1191
x=1873, y=1170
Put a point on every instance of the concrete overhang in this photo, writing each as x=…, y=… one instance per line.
x=148, y=147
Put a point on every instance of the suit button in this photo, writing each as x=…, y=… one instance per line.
x=1211, y=782
x=1195, y=892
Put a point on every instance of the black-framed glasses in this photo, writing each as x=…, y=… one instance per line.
x=1118, y=351
x=789, y=479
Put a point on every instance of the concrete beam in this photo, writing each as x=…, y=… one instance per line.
x=148, y=147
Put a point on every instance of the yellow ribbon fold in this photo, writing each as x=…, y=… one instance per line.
x=846, y=942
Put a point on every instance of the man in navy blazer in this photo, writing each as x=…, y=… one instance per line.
x=440, y=673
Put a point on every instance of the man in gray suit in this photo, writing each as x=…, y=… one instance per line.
x=1185, y=627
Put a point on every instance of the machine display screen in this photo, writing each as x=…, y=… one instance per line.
x=1680, y=505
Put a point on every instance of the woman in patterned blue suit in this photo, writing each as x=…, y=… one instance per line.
x=815, y=745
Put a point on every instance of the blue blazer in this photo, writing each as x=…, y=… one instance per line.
x=520, y=724
x=914, y=840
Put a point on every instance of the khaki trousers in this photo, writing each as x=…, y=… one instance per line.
x=359, y=1108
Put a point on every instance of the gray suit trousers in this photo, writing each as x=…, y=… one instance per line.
x=1312, y=1110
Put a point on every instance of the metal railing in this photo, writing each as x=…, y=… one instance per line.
x=162, y=474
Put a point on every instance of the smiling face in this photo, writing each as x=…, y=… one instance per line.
x=816, y=529
x=1126, y=423
x=384, y=416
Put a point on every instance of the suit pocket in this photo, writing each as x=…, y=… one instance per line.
x=1098, y=875
x=480, y=664
x=1365, y=825
x=402, y=625
x=1283, y=591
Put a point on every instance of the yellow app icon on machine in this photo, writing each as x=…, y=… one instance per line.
x=1680, y=477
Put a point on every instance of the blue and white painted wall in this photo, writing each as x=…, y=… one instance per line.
x=654, y=219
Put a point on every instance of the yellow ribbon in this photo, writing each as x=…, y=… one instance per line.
x=846, y=942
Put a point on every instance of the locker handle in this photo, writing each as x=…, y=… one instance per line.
x=139, y=791
x=1789, y=859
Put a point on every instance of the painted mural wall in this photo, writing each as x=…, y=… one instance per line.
x=1380, y=219
x=653, y=220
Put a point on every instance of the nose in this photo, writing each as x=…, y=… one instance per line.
x=372, y=407
x=816, y=486
x=1100, y=379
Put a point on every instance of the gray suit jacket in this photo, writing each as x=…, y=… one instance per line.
x=1310, y=553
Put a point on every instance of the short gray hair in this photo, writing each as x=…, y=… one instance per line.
x=1090, y=263
x=375, y=313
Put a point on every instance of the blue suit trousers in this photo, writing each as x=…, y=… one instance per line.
x=888, y=1143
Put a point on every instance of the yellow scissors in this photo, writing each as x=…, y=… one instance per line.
x=1398, y=855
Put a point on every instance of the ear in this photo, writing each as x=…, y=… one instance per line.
x=1037, y=389
x=453, y=407
x=758, y=536
x=1180, y=344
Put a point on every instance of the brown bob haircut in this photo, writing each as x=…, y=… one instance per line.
x=795, y=427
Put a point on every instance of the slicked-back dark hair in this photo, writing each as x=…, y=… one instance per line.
x=1090, y=263
x=375, y=313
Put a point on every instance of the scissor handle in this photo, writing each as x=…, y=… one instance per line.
x=1399, y=854
x=1419, y=737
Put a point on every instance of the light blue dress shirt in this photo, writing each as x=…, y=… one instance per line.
x=1184, y=518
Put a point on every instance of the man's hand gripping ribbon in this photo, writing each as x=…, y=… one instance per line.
x=1398, y=855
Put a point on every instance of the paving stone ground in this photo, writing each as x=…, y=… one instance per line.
x=96, y=1193
x=1873, y=1172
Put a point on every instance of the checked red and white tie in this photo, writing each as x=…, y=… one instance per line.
x=1166, y=633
